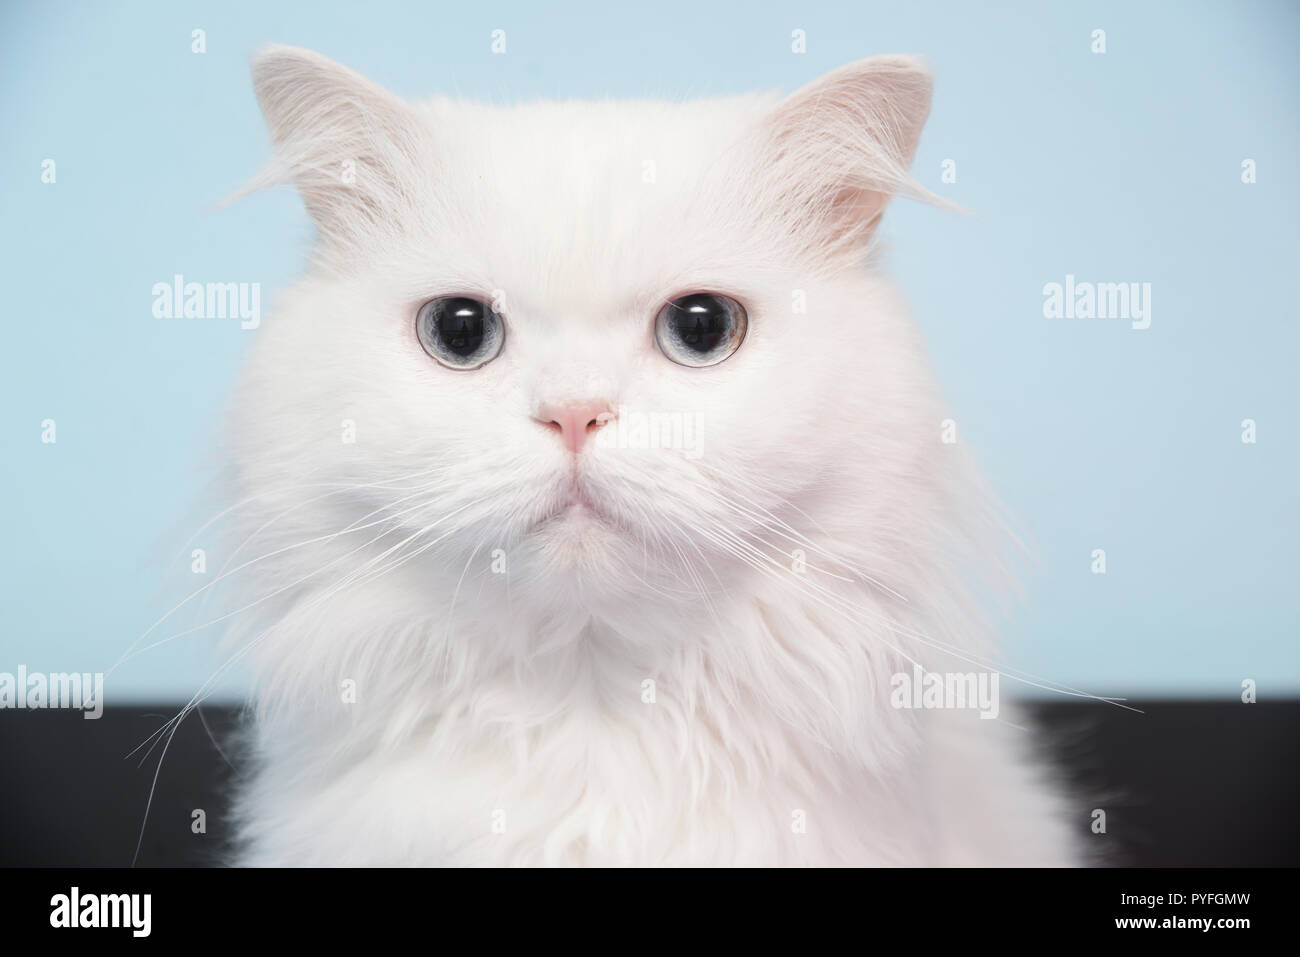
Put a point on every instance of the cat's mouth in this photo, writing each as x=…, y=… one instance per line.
x=575, y=502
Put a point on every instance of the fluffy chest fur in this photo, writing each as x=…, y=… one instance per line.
x=659, y=742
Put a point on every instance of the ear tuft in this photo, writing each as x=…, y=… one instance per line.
x=836, y=151
x=349, y=144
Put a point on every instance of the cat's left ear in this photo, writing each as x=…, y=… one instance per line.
x=352, y=147
x=833, y=154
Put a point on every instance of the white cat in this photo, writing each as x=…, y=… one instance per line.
x=597, y=494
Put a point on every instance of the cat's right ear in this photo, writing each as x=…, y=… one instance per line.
x=349, y=145
x=834, y=153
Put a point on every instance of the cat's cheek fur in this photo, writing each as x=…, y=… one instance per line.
x=449, y=670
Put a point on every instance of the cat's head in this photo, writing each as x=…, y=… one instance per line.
x=607, y=345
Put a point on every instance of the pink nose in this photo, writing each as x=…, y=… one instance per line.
x=575, y=420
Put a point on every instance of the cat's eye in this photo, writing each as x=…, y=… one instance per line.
x=460, y=332
x=701, y=329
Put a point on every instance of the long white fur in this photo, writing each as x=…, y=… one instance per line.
x=501, y=718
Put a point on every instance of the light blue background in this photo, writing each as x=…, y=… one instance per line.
x=1116, y=167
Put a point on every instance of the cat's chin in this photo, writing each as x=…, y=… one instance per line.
x=577, y=535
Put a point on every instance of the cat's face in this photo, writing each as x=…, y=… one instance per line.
x=610, y=341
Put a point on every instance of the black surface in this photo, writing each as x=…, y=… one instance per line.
x=1184, y=783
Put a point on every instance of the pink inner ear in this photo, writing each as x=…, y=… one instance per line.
x=854, y=212
x=839, y=148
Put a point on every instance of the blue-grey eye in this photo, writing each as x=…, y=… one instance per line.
x=460, y=332
x=701, y=329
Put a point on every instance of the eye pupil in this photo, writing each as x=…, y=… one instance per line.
x=701, y=326
x=461, y=333
x=460, y=326
x=700, y=329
